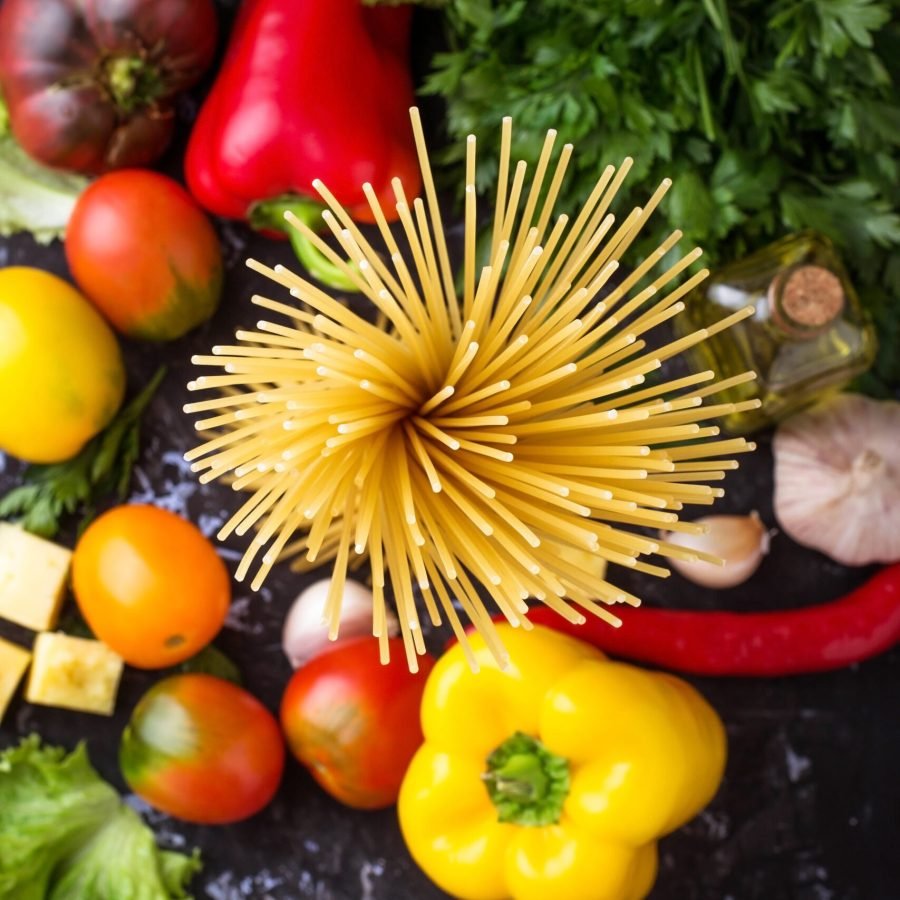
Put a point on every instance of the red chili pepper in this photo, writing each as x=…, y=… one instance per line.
x=832, y=635
x=308, y=89
x=90, y=84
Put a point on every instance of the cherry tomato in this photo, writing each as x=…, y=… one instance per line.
x=353, y=722
x=202, y=749
x=150, y=585
x=145, y=254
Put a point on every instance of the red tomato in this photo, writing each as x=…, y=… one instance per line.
x=202, y=749
x=353, y=722
x=150, y=585
x=145, y=254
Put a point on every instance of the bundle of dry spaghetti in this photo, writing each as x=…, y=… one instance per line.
x=490, y=447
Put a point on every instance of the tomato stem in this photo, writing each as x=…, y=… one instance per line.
x=131, y=82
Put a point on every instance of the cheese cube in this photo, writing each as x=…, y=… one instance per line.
x=33, y=576
x=74, y=673
x=13, y=663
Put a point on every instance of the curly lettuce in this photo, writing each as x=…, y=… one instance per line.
x=33, y=198
x=64, y=833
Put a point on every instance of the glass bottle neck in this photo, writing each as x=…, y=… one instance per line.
x=805, y=300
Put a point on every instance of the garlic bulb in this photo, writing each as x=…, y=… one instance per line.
x=739, y=542
x=305, y=630
x=837, y=479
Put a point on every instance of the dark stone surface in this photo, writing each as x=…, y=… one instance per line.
x=810, y=803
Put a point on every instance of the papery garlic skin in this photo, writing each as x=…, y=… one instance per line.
x=305, y=630
x=837, y=479
x=740, y=542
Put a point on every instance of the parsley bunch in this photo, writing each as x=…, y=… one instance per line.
x=769, y=115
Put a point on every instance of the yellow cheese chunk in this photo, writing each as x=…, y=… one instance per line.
x=13, y=663
x=74, y=673
x=33, y=576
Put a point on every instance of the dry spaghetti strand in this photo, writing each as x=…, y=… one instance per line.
x=474, y=448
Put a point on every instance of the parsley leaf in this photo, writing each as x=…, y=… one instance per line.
x=212, y=661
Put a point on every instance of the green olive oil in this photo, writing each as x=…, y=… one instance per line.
x=809, y=334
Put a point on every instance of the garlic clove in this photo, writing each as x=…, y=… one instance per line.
x=740, y=542
x=305, y=631
x=837, y=479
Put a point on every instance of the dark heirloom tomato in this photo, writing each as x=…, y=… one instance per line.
x=353, y=722
x=90, y=83
x=202, y=749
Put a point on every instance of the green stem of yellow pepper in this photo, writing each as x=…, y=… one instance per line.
x=526, y=782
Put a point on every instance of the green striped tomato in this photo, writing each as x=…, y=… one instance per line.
x=145, y=254
x=202, y=749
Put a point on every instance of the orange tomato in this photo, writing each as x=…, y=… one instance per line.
x=150, y=585
x=145, y=254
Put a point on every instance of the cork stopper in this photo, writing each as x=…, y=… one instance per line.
x=809, y=296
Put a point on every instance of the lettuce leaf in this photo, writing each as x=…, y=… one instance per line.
x=64, y=833
x=123, y=861
x=33, y=198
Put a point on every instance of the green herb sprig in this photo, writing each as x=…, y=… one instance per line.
x=212, y=661
x=102, y=469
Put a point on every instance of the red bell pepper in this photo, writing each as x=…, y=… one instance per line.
x=90, y=85
x=308, y=89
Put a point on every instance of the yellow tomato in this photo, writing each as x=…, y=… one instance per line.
x=61, y=373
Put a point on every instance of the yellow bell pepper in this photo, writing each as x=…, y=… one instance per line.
x=553, y=779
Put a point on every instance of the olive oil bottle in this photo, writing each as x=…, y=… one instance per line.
x=808, y=336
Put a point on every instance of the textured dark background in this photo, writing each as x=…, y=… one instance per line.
x=810, y=805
